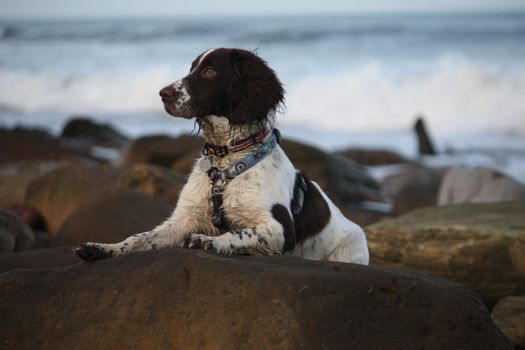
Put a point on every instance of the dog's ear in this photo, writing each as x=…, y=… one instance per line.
x=255, y=92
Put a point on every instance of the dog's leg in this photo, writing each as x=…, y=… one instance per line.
x=171, y=233
x=188, y=217
x=263, y=239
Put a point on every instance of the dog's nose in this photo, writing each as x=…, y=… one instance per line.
x=167, y=91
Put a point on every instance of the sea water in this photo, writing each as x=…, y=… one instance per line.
x=351, y=80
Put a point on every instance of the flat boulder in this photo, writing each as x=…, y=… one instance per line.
x=15, y=235
x=187, y=299
x=509, y=316
x=110, y=218
x=58, y=193
x=467, y=243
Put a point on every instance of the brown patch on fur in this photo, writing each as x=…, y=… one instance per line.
x=315, y=214
x=280, y=213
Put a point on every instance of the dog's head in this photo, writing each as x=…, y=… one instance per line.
x=232, y=83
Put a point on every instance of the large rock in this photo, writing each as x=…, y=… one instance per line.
x=420, y=191
x=466, y=243
x=163, y=150
x=94, y=139
x=22, y=144
x=478, y=185
x=184, y=299
x=87, y=129
x=111, y=218
x=15, y=235
x=16, y=176
x=57, y=194
x=37, y=259
x=517, y=255
x=509, y=316
x=342, y=179
x=409, y=186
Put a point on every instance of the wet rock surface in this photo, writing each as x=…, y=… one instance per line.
x=185, y=299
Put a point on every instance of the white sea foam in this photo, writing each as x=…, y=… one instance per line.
x=455, y=95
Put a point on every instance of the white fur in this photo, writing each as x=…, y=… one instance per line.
x=247, y=203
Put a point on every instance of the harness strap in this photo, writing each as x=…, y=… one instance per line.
x=299, y=190
x=214, y=174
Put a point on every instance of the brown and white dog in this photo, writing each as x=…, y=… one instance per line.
x=234, y=95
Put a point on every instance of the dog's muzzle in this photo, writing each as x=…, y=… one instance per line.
x=176, y=100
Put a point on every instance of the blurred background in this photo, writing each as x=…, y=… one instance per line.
x=356, y=72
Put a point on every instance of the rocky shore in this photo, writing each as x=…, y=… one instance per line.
x=444, y=254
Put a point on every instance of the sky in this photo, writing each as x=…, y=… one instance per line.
x=14, y=9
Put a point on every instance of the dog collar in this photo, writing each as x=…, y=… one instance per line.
x=210, y=149
x=214, y=175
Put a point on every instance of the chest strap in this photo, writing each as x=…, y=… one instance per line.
x=215, y=175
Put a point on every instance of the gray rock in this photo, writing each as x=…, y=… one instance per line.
x=478, y=185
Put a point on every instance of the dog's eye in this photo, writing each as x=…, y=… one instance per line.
x=208, y=73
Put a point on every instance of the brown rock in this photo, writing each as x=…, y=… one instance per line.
x=16, y=176
x=184, y=299
x=15, y=235
x=509, y=316
x=184, y=164
x=371, y=157
x=57, y=194
x=22, y=144
x=465, y=243
x=37, y=259
x=517, y=255
x=110, y=218
x=163, y=150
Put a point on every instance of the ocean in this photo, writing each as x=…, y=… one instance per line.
x=351, y=80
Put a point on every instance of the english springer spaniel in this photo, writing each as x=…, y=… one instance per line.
x=243, y=196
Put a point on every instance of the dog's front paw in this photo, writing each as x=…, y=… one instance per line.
x=92, y=252
x=199, y=241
